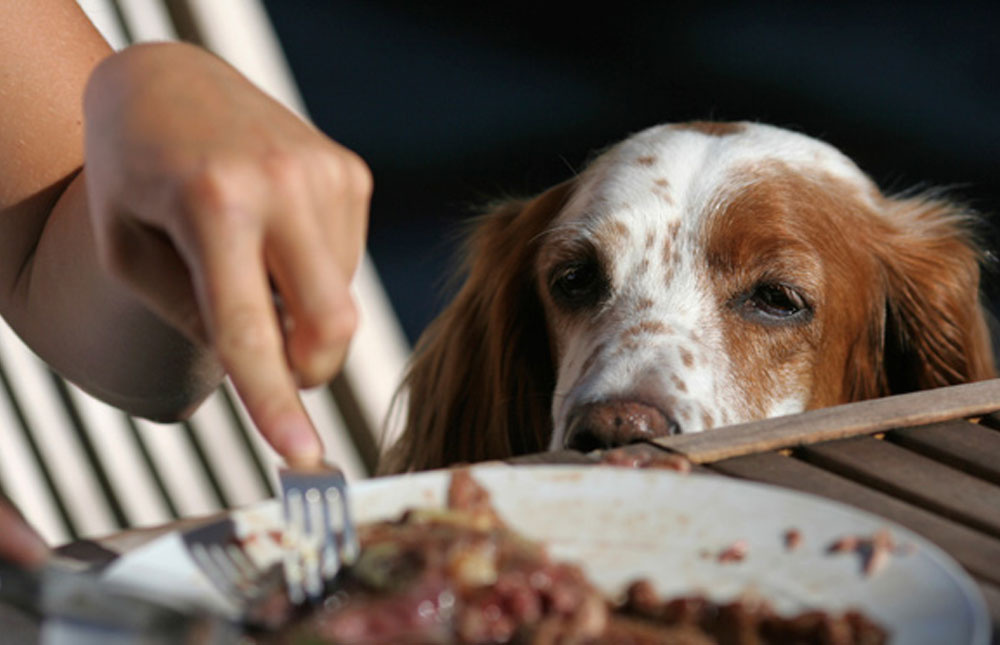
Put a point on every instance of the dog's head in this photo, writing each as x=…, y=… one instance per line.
x=693, y=276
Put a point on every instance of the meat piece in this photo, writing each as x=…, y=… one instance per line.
x=793, y=538
x=735, y=552
x=875, y=550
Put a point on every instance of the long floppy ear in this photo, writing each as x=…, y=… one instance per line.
x=935, y=328
x=480, y=384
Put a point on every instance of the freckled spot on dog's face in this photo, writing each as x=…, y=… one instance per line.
x=646, y=160
x=661, y=187
x=647, y=327
x=612, y=238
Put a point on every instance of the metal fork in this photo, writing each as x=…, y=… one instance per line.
x=231, y=570
x=319, y=531
x=246, y=586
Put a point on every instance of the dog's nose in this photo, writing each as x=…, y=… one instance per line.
x=607, y=424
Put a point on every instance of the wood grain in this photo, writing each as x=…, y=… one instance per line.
x=974, y=550
x=852, y=419
x=912, y=477
x=960, y=444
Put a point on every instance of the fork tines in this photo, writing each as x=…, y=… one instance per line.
x=230, y=570
x=319, y=532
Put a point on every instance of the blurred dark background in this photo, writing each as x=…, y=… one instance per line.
x=454, y=104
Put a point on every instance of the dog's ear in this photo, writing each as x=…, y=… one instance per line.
x=480, y=383
x=935, y=330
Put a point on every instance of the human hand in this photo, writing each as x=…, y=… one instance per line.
x=18, y=542
x=204, y=194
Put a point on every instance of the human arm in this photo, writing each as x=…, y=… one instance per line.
x=141, y=275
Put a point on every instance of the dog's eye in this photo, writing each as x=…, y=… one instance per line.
x=772, y=302
x=577, y=284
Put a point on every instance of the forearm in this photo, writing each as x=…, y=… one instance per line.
x=53, y=290
x=92, y=329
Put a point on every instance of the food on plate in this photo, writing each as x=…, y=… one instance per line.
x=793, y=538
x=460, y=575
x=735, y=552
x=875, y=550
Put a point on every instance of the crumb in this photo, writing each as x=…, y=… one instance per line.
x=735, y=552
x=844, y=544
x=875, y=550
x=793, y=538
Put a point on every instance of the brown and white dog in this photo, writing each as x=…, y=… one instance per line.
x=693, y=276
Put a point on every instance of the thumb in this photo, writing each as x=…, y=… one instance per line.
x=19, y=542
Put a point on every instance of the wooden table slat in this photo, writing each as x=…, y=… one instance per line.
x=961, y=444
x=912, y=477
x=840, y=421
x=976, y=551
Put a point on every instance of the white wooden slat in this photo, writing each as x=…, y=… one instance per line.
x=269, y=459
x=113, y=441
x=147, y=20
x=227, y=453
x=240, y=32
x=102, y=14
x=377, y=356
x=23, y=481
x=55, y=436
x=178, y=466
x=337, y=444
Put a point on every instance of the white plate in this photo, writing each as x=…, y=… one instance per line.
x=622, y=524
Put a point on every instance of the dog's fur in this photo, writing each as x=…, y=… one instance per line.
x=693, y=276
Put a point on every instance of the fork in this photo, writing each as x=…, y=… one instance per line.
x=246, y=586
x=319, y=532
x=231, y=570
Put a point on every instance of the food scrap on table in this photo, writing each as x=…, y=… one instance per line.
x=629, y=457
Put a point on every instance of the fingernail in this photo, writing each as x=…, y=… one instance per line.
x=300, y=444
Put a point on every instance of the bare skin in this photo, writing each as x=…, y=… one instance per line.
x=146, y=273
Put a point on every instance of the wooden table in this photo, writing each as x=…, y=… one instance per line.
x=916, y=459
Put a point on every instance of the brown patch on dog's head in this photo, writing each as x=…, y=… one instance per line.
x=712, y=128
x=890, y=296
x=483, y=369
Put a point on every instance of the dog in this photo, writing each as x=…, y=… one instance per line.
x=693, y=276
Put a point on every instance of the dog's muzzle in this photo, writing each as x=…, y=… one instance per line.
x=607, y=424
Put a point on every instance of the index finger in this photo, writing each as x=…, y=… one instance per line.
x=235, y=295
